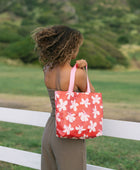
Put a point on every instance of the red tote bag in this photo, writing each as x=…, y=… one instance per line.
x=78, y=115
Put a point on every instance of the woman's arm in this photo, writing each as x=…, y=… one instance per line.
x=81, y=76
x=81, y=80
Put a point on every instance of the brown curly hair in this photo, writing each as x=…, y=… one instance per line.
x=56, y=44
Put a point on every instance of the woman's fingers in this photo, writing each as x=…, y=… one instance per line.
x=81, y=63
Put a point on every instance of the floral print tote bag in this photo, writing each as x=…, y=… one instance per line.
x=78, y=115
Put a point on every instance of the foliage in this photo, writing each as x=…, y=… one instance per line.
x=105, y=25
x=22, y=49
x=135, y=4
x=7, y=35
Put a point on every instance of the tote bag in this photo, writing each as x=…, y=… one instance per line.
x=78, y=115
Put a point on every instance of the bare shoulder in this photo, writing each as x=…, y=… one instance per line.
x=80, y=73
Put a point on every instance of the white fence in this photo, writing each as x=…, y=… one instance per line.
x=113, y=128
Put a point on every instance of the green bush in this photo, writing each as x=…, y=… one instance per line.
x=8, y=35
x=27, y=22
x=48, y=18
x=111, y=50
x=134, y=4
x=22, y=49
x=23, y=31
x=18, y=9
x=94, y=57
x=123, y=39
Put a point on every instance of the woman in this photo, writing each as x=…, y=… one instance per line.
x=57, y=45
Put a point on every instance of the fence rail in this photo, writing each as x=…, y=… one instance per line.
x=112, y=128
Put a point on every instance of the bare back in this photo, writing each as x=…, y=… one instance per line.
x=58, y=78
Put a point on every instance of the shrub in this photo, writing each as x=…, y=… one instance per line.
x=134, y=4
x=8, y=35
x=123, y=39
x=27, y=22
x=18, y=9
x=23, y=31
x=111, y=50
x=22, y=49
x=95, y=58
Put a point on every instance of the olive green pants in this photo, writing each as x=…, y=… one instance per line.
x=61, y=153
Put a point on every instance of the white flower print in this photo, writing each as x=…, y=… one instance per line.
x=101, y=107
x=57, y=117
x=67, y=129
x=92, y=126
x=83, y=116
x=99, y=133
x=62, y=105
x=70, y=117
x=74, y=137
x=80, y=129
x=74, y=105
x=101, y=122
x=96, y=99
x=84, y=136
x=95, y=112
x=85, y=102
x=56, y=96
x=70, y=94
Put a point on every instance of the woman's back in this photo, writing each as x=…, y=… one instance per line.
x=58, y=78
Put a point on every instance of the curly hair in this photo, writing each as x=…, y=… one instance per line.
x=55, y=45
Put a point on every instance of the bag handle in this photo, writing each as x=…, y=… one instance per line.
x=72, y=78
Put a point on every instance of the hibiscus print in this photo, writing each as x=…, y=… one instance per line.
x=96, y=99
x=67, y=129
x=101, y=122
x=62, y=105
x=74, y=105
x=95, y=112
x=83, y=116
x=101, y=106
x=92, y=126
x=57, y=117
x=70, y=94
x=99, y=133
x=85, y=102
x=56, y=96
x=80, y=129
x=70, y=117
x=84, y=136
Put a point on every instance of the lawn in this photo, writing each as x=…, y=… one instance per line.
x=116, y=87
x=120, y=86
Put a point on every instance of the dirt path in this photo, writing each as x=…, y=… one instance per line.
x=118, y=111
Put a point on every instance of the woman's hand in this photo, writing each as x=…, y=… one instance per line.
x=81, y=63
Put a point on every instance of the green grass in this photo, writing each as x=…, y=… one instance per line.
x=113, y=153
x=115, y=86
x=102, y=151
x=22, y=80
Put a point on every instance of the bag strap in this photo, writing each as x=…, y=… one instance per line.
x=72, y=78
